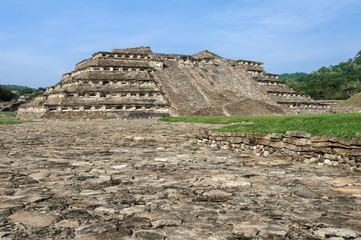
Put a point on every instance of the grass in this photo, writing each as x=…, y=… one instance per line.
x=12, y=121
x=216, y=55
x=354, y=101
x=338, y=125
x=6, y=121
x=7, y=112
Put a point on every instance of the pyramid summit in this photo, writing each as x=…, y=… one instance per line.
x=137, y=83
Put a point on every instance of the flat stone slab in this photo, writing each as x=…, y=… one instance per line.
x=34, y=219
x=354, y=190
x=336, y=232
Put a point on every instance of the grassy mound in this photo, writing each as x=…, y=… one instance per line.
x=338, y=125
x=354, y=101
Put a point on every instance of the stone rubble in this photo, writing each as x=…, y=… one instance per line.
x=145, y=179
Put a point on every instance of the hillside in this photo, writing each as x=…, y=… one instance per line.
x=337, y=82
x=7, y=94
x=354, y=101
x=16, y=87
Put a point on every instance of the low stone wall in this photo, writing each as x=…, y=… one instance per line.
x=295, y=145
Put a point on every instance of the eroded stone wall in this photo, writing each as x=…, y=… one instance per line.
x=296, y=145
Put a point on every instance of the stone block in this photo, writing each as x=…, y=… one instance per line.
x=298, y=141
x=356, y=152
x=262, y=135
x=276, y=136
x=229, y=134
x=330, y=156
x=319, y=139
x=299, y=134
x=240, y=134
x=232, y=140
x=297, y=148
x=214, y=134
x=246, y=140
x=277, y=144
x=356, y=141
x=342, y=141
x=263, y=141
x=326, y=144
x=322, y=149
x=249, y=135
x=342, y=151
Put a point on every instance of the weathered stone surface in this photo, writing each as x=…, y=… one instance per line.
x=356, y=141
x=356, y=152
x=306, y=193
x=336, y=232
x=342, y=151
x=297, y=141
x=354, y=190
x=12, y=205
x=34, y=219
x=298, y=148
x=300, y=134
x=147, y=234
x=93, y=230
x=64, y=174
x=273, y=230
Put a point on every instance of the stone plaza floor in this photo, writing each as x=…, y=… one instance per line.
x=146, y=179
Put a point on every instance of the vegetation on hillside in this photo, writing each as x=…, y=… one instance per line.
x=12, y=92
x=216, y=55
x=338, y=125
x=35, y=93
x=16, y=87
x=292, y=76
x=337, y=82
x=354, y=101
x=6, y=94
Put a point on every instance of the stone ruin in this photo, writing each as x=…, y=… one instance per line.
x=137, y=83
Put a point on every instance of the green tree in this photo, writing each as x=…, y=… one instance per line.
x=6, y=94
x=25, y=90
x=37, y=92
x=334, y=82
x=357, y=58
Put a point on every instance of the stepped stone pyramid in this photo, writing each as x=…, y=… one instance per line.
x=137, y=83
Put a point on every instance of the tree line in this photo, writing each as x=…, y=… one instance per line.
x=7, y=93
x=337, y=82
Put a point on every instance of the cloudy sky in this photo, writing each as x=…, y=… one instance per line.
x=42, y=39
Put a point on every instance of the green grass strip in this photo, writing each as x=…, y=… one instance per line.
x=7, y=112
x=338, y=125
x=12, y=121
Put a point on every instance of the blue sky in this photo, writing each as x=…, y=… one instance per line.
x=42, y=39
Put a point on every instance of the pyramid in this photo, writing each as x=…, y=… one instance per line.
x=137, y=83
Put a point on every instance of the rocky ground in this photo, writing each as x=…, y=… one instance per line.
x=144, y=179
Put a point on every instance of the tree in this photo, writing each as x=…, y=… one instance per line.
x=357, y=58
x=25, y=90
x=5, y=94
x=37, y=92
x=334, y=82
